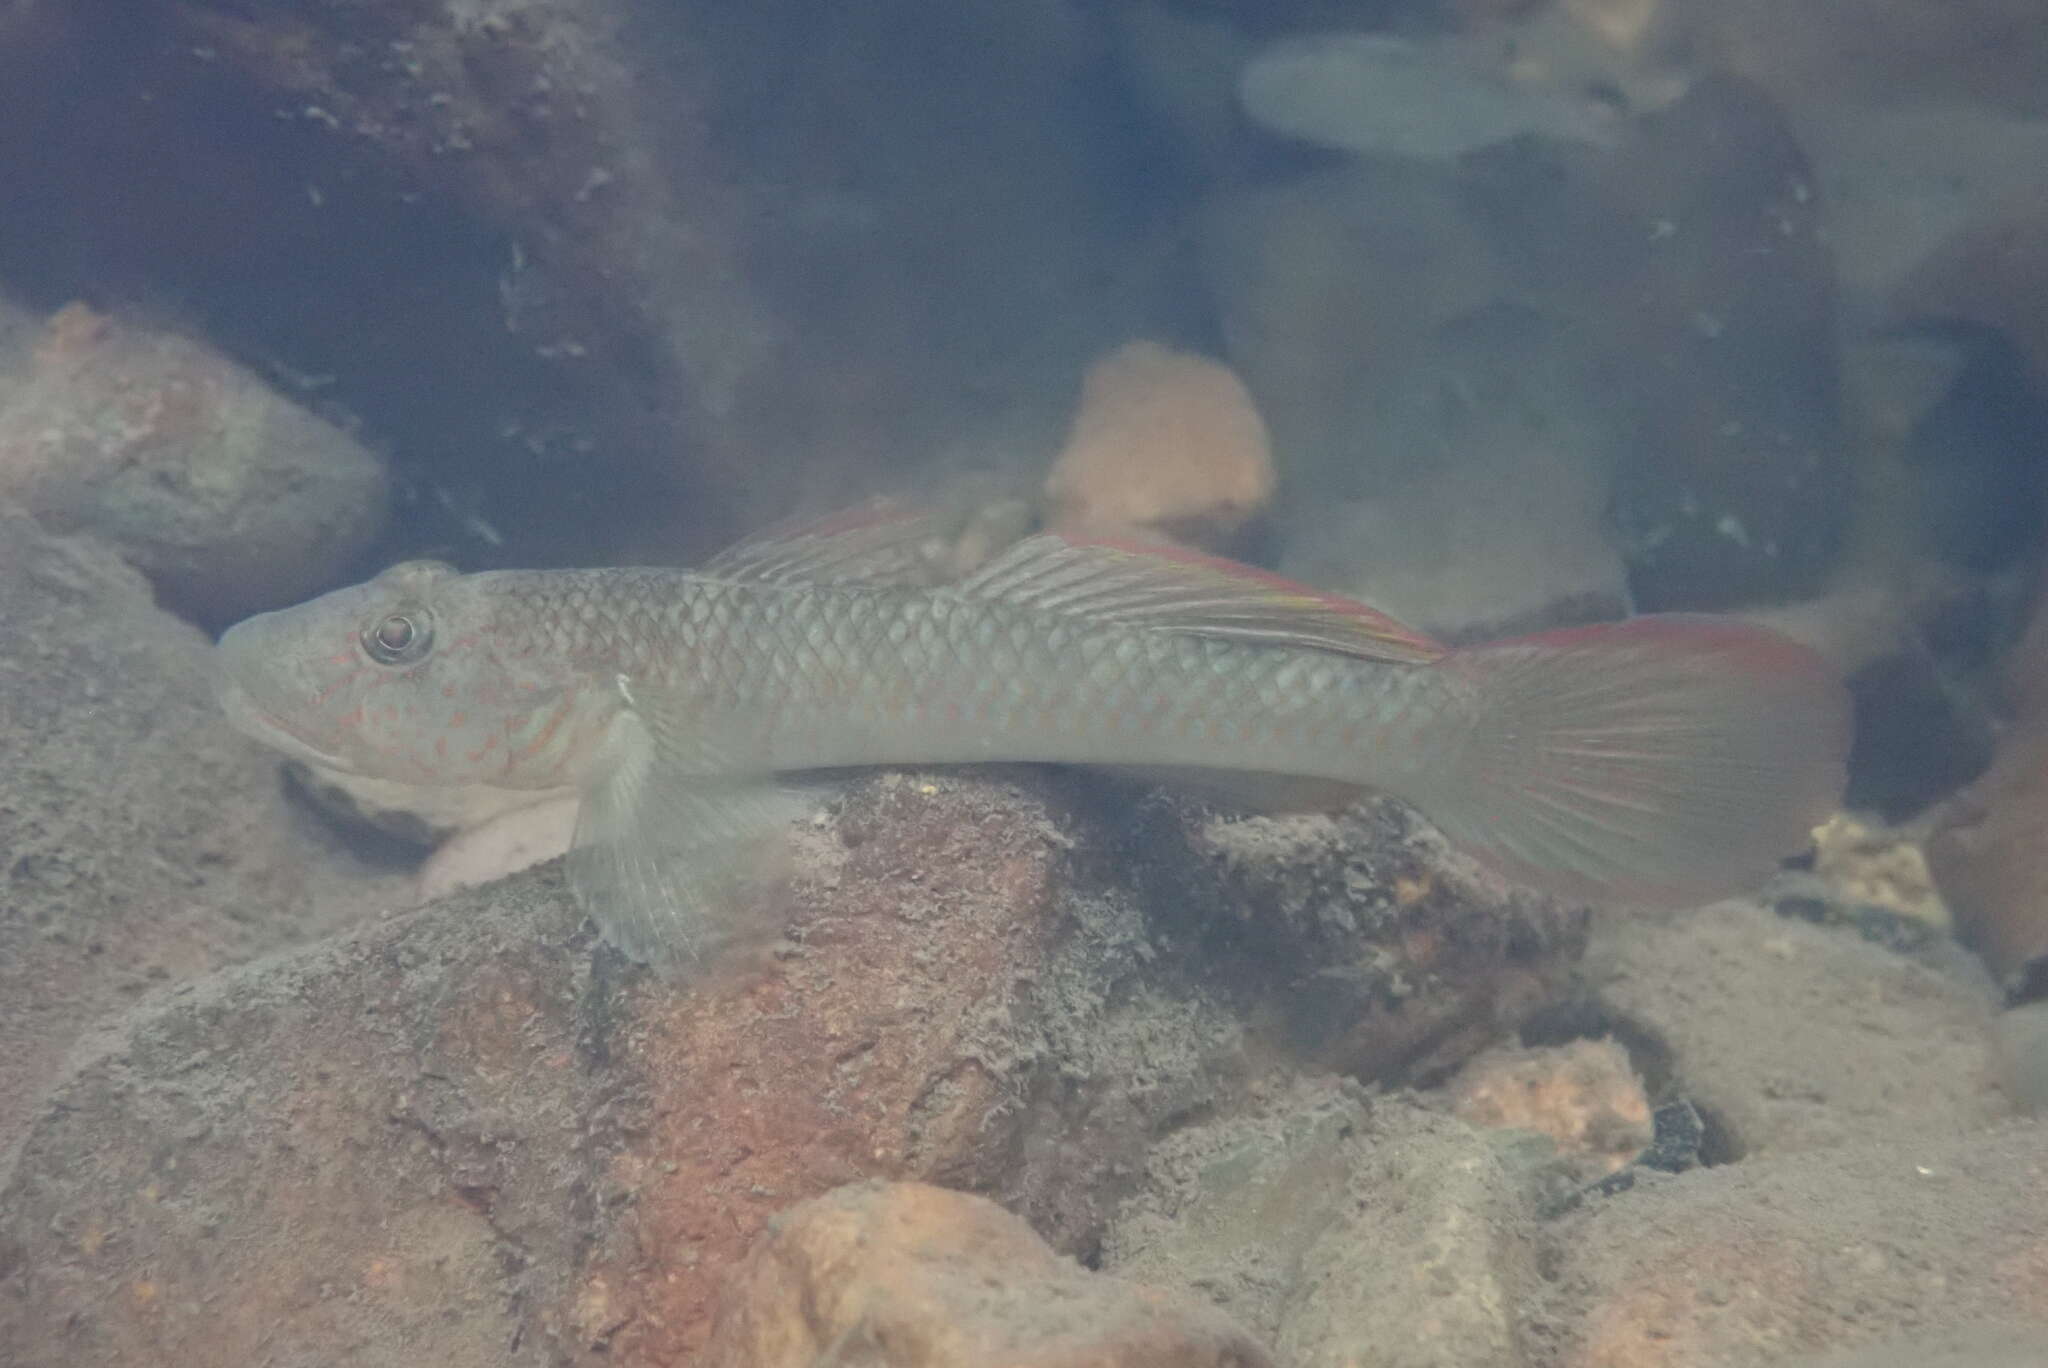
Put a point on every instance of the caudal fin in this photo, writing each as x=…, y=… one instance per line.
x=1664, y=760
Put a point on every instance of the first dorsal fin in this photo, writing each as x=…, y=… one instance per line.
x=1175, y=590
x=882, y=542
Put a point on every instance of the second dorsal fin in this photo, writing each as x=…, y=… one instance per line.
x=1170, y=589
x=882, y=542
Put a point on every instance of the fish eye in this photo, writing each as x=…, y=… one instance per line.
x=398, y=638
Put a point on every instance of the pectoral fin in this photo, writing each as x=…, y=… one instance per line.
x=668, y=860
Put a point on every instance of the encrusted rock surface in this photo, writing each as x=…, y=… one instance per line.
x=142, y=841
x=468, y=1133
x=915, y=1276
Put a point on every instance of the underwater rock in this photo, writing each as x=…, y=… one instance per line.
x=1584, y=1095
x=469, y=224
x=1900, y=52
x=1326, y=1221
x=1993, y=273
x=1474, y=505
x=2022, y=1035
x=474, y=1127
x=1749, y=1264
x=230, y=497
x=143, y=839
x=1324, y=284
x=918, y=1277
x=1899, y=182
x=1695, y=260
x=475, y=1132
x=1164, y=443
x=1791, y=1037
x=1986, y=853
x=1872, y=867
x=1992, y=1345
x=1990, y=862
x=1360, y=941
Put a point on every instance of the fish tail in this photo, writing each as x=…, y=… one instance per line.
x=1667, y=760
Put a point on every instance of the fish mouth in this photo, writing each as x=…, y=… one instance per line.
x=251, y=719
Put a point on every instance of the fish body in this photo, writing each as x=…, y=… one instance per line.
x=1656, y=760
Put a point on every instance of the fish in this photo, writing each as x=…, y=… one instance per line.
x=1384, y=95
x=1661, y=760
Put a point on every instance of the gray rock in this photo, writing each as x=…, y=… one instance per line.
x=1838, y=1251
x=143, y=840
x=1337, y=1226
x=1987, y=1346
x=230, y=497
x=1977, y=1346
x=1792, y=1037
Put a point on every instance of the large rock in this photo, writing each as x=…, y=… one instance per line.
x=143, y=838
x=1345, y=1231
x=1794, y=1037
x=918, y=1277
x=467, y=1135
x=611, y=279
x=471, y=224
x=1360, y=942
x=1985, y=852
x=231, y=498
x=1846, y=1249
x=1165, y=445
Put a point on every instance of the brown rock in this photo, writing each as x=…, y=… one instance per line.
x=461, y=1131
x=141, y=839
x=919, y=1277
x=1585, y=1096
x=228, y=496
x=1986, y=853
x=472, y=1136
x=1164, y=443
x=1988, y=858
x=1743, y=1265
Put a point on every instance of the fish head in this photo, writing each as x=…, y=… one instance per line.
x=408, y=678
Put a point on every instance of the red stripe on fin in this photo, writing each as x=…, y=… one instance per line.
x=1171, y=589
